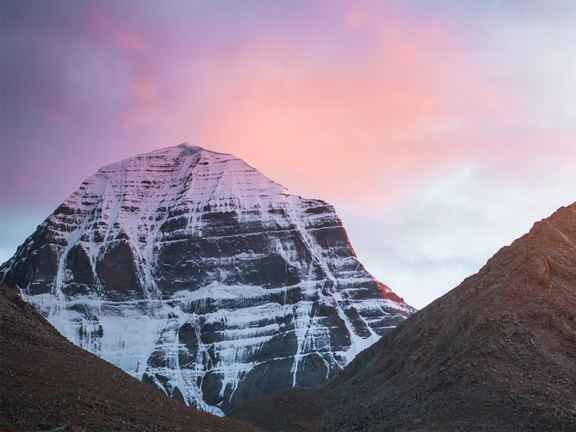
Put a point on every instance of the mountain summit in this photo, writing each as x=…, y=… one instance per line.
x=195, y=273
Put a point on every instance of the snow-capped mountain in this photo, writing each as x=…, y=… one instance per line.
x=195, y=273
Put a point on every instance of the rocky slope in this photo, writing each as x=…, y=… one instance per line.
x=46, y=381
x=498, y=353
x=194, y=272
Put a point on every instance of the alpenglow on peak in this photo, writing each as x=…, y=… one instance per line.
x=197, y=274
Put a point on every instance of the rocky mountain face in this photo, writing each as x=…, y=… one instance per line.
x=497, y=353
x=195, y=273
x=47, y=382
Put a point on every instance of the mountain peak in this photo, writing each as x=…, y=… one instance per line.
x=188, y=146
x=194, y=272
x=176, y=175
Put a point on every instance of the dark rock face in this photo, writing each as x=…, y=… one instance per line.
x=117, y=272
x=195, y=273
x=497, y=353
x=46, y=382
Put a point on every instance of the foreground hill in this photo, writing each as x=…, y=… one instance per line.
x=497, y=353
x=194, y=272
x=46, y=381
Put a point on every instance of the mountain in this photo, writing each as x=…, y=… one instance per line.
x=195, y=273
x=46, y=382
x=497, y=353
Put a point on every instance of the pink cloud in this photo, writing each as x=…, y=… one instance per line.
x=362, y=103
x=110, y=30
x=356, y=119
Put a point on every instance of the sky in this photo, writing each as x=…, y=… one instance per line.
x=440, y=130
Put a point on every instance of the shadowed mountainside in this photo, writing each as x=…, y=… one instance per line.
x=46, y=381
x=497, y=353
